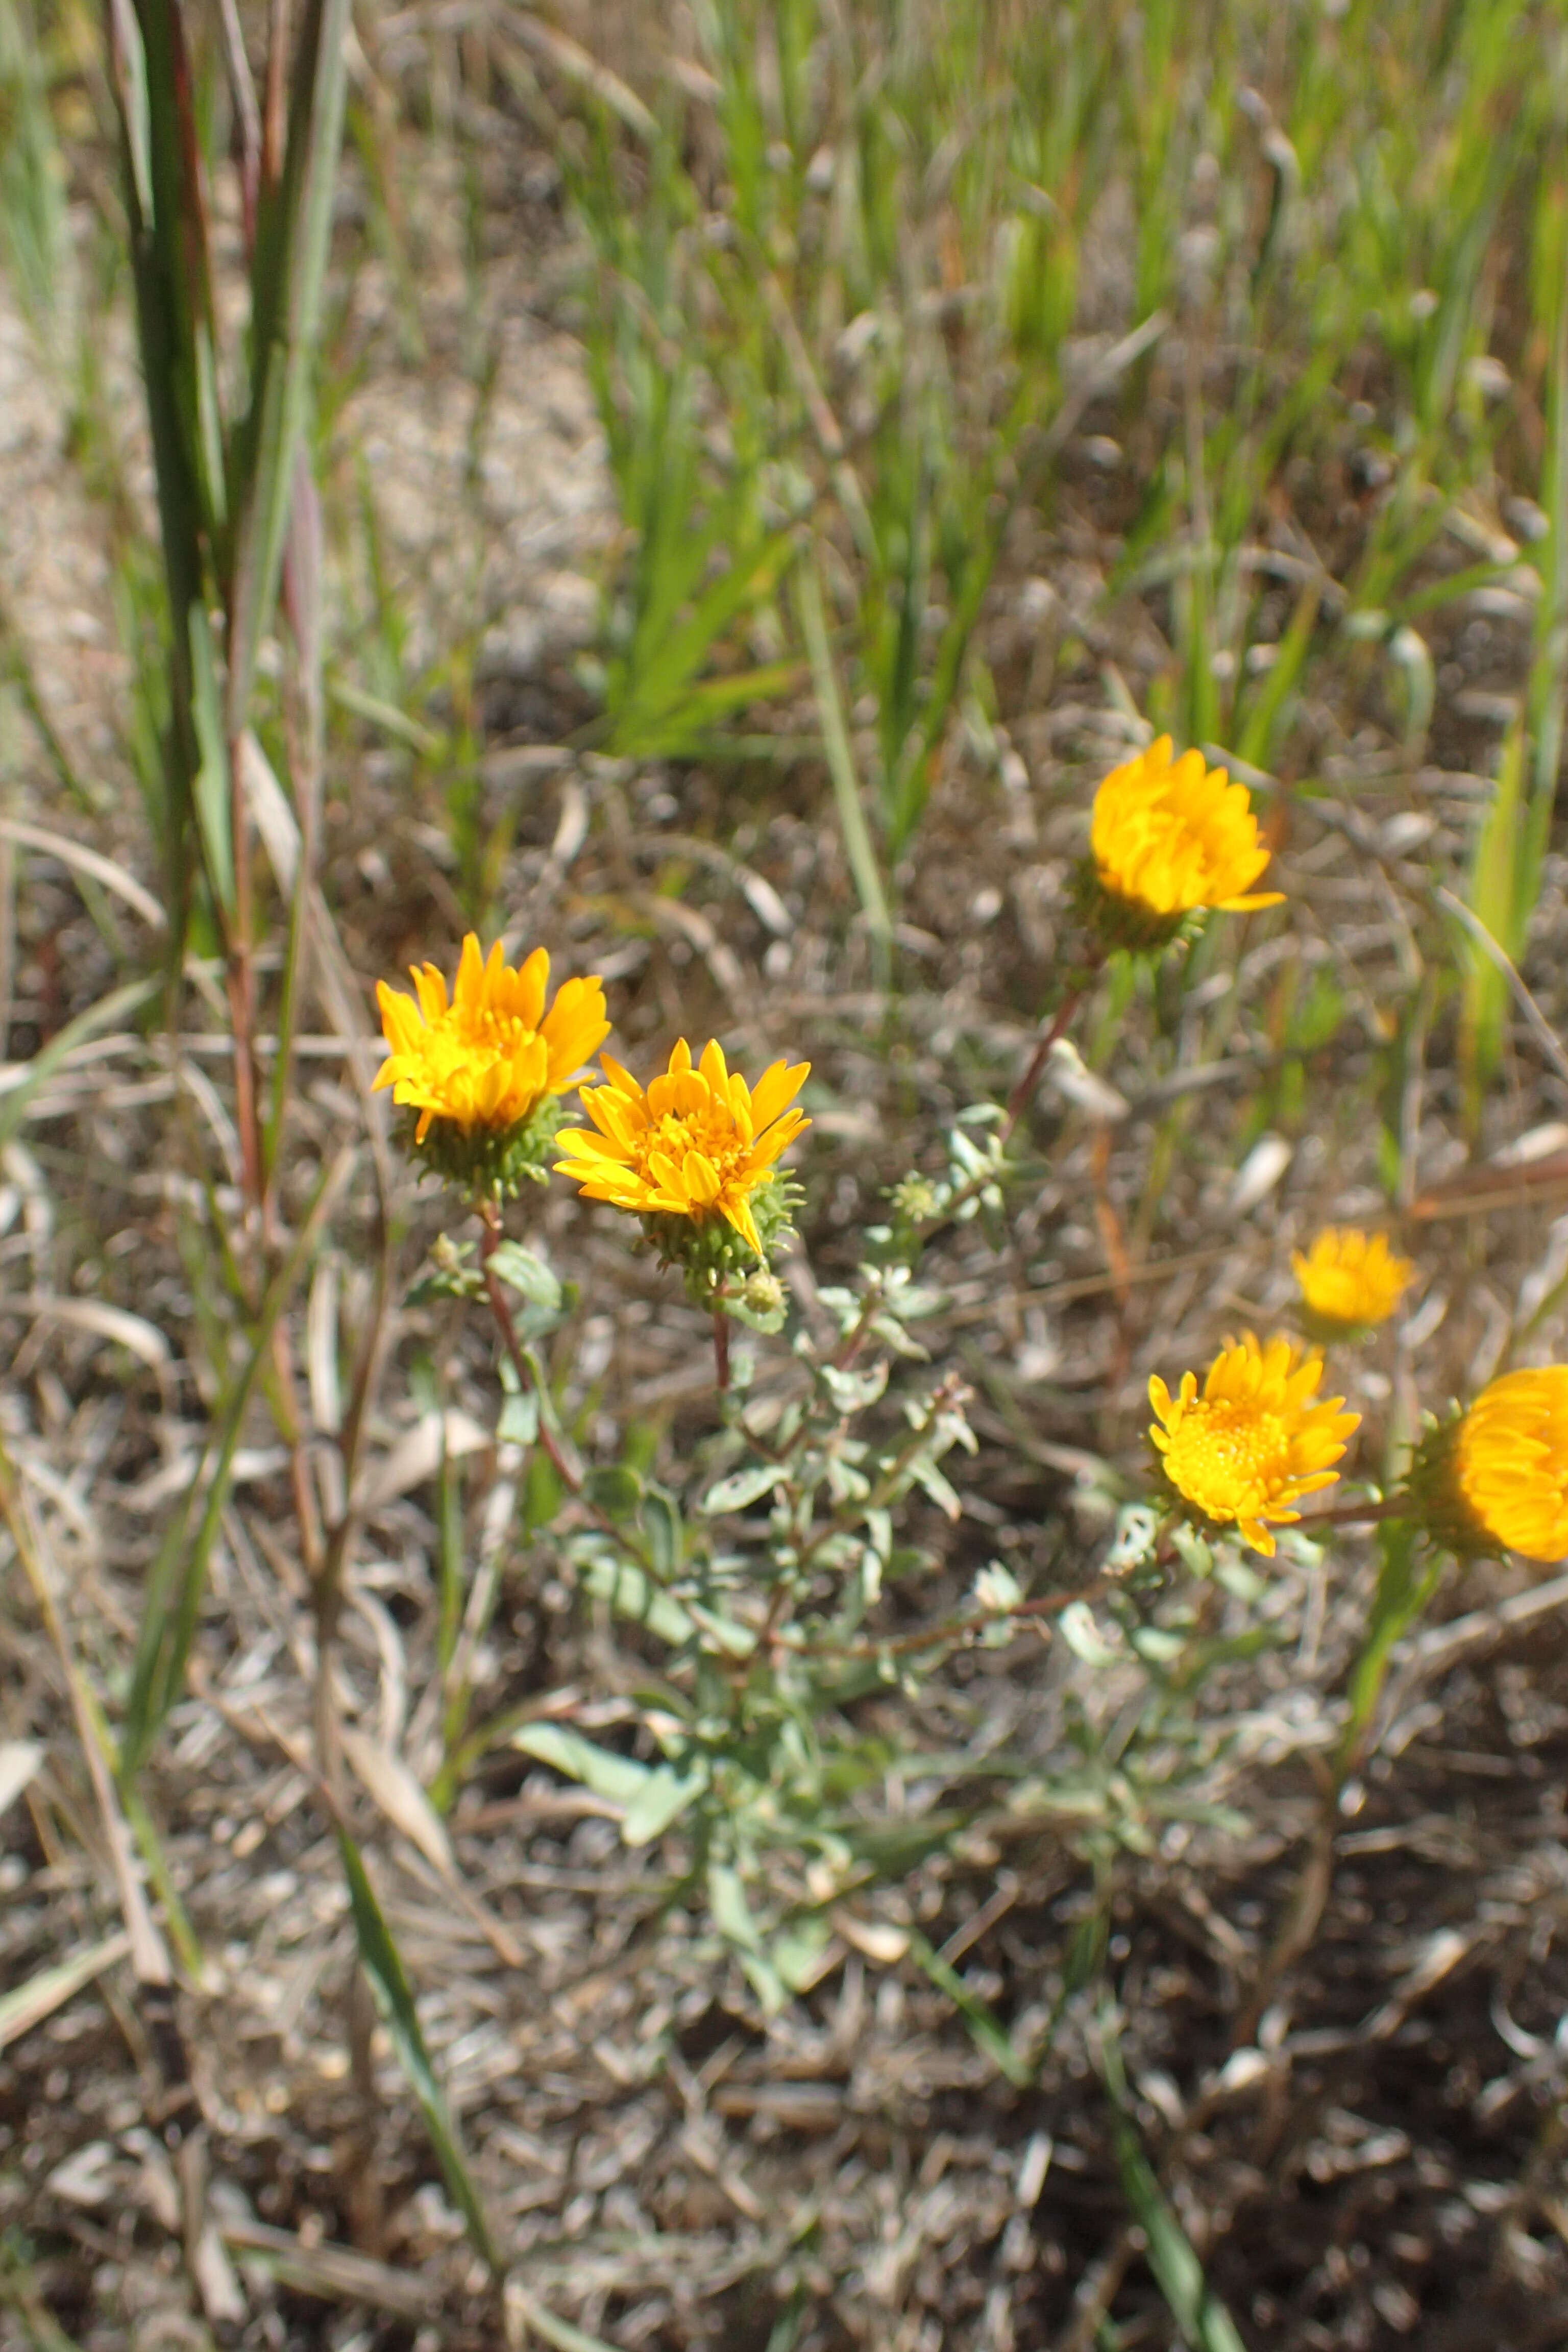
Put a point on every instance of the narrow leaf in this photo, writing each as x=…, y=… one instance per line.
x=743, y=1488
x=837, y=751
x=558, y=2332
x=617, y=1779
x=1203, y=2319
x=383, y=1965
x=213, y=788
x=293, y=229
x=986, y=2030
x=526, y=1273
x=664, y=1795
x=632, y=1594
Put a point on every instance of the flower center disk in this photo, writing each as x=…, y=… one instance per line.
x=1228, y=1459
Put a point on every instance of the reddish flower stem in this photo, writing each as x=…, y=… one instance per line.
x=1020, y=1099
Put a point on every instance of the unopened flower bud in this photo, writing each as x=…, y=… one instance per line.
x=763, y=1293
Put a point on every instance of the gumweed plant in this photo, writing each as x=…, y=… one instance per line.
x=759, y=1585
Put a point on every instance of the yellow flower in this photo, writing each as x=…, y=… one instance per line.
x=1169, y=837
x=1350, y=1279
x=1509, y=1463
x=697, y=1144
x=1255, y=1441
x=488, y=1058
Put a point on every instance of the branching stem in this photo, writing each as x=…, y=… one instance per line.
x=566, y=1470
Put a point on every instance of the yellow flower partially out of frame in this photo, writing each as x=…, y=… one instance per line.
x=489, y=1058
x=1350, y=1279
x=1509, y=1464
x=1257, y=1438
x=697, y=1144
x=1172, y=835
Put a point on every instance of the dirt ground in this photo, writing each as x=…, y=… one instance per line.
x=1363, y=2138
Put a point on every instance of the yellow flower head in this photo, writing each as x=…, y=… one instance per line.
x=697, y=1144
x=488, y=1058
x=1255, y=1441
x=1350, y=1278
x=1169, y=837
x=1509, y=1463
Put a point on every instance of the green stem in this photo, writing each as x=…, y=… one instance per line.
x=565, y=1469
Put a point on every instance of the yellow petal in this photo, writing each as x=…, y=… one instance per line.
x=737, y=1211
x=528, y=993
x=469, y=992
x=620, y=1077
x=777, y=1087
x=700, y=1179
x=432, y=988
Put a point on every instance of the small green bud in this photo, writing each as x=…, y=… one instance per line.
x=763, y=1293
x=916, y=1199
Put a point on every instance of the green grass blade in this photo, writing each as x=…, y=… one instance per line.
x=1255, y=740
x=1203, y=2319
x=177, y=255
x=1405, y=1582
x=987, y=2031
x=676, y=663
x=544, y=2324
x=172, y=1606
x=1492, y=896
x=293, y=229
x=212, y=790
x=837, y=751
x=383, y=1964
x=32, y=175
x=1549, y=671
x=179, y=502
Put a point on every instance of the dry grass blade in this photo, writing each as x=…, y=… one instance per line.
x=134, y=1332
x=28, y=2004
x=336, y=2274
x=149, y=1954
x=90, y=862
x=400, y=1797
x=570, y=58
x=117, y=1007
x=19, y=1761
